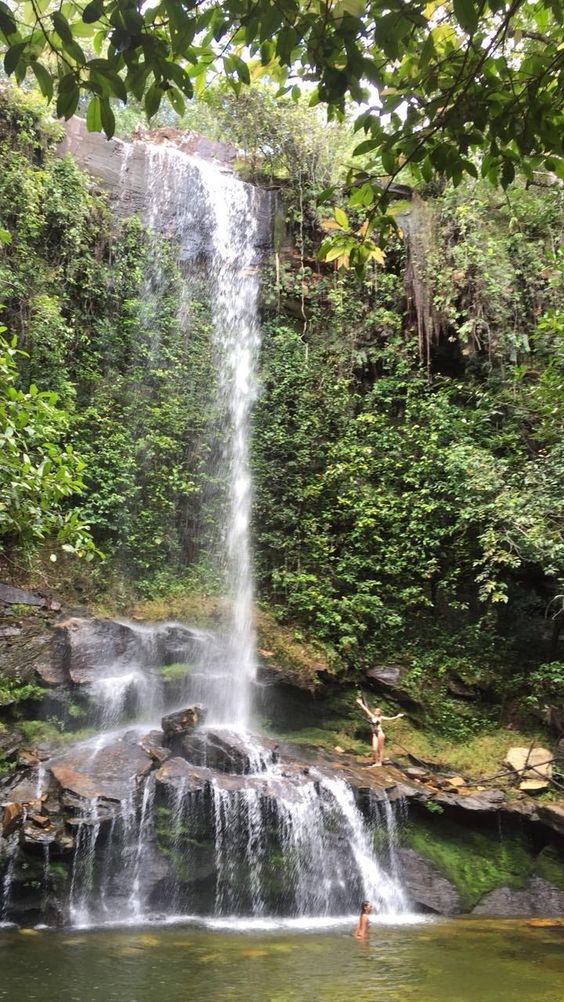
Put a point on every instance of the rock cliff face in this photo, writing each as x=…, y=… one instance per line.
x=127, y=170
x=73, y=805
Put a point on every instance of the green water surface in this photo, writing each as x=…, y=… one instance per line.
x=447, y=961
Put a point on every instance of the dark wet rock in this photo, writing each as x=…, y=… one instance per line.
x=24, y=657
x=153, y=744
x=110, y=773
x=176, y=725
x=487, y=802
x=538, y=897
x=390, y=680
x=552, y=815
x=228, y=751
x=10, y=742
x=426, y=886
x=9, y=595
x=122, y=168
x=179, y=776
x=90, y=645
x=23, y=790
x=459, y=688
x=33, y=834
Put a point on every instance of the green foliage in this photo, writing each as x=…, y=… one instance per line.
x=37, y=472
x=420, y=517
x=478, y=79
x=546, y=683
x=14, y=691
x=52, y=732
x=77, y=295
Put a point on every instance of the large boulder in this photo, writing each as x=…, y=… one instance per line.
x=179, y=778
x=390, y=680
x=33, y=652
x=538, y=897
x=176, y=725
x=109, y=773
x=426, y=886
x=91, y=646
x=228, y=751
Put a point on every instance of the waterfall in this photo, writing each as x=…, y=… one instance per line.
x=235, y=296
x=211, y=824
x=378, y=886
x=188, y=196
x=82, y=878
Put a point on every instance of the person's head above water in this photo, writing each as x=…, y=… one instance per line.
x=365, y=908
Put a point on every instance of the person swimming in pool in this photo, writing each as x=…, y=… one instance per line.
x=378, y=737
x=361, y=931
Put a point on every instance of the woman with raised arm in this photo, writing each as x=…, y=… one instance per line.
x=378, y=737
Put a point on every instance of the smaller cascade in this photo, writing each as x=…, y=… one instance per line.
x=82, y=878
x=378, y=886
x=12, y=847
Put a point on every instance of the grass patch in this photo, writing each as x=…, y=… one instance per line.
x=38, y=732
x=318, y=737
x=475, y=862
x=480, y=755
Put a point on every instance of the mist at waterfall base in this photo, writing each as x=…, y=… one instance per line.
x=224, y=831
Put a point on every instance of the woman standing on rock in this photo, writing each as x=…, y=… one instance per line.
x=378, y=737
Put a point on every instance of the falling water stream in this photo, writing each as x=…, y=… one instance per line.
x=268, y=844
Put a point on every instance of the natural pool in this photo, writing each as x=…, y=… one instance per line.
x=442, y=961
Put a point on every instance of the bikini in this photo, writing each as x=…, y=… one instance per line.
x=376, y=725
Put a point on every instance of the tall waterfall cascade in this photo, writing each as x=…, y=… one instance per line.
x=199, y=819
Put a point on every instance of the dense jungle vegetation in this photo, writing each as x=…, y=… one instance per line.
x=408, y=451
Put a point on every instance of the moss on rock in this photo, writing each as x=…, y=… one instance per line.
x=549, y=865
x=475, y=862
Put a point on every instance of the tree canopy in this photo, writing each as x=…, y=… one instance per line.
x=433, y=83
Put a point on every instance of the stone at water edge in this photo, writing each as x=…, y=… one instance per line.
x=533, y=765
x=427, y=887
x=537, y=897
x=183, y=721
